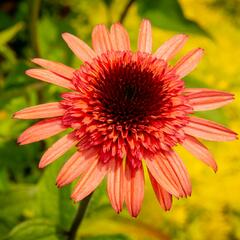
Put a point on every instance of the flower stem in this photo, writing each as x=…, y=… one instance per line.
x=34, y=14
x=79, y=217
x=125, y=11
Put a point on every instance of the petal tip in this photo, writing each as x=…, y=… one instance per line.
x=14, y=115
x=41, y=165
x=28, y=72
x=200, y=50
x=146, y=20
x=35, y=60
x=65, y=35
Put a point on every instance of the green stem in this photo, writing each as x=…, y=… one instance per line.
x=125, y=11
x=79, y=217
x=34, y=14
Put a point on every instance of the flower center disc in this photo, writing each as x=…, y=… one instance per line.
x=127, y=97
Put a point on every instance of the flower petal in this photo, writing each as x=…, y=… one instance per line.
x=50, y=77
x=89, y=181
x=171, y=174
x=164, y=197
x=46, y=110
x=101, y=39
x=188, y=62
x=145, y=37
x=120, y=38
x=75, y=166
x=170, y=48
x=180, y=170
x=162, y=176
x=134, y=189
x=115, y=184
x=200, y=151
x=207, y=99
x=41, y=130
x=58, y=68
x=208, y=130
x=79, y=48
x=58, y=149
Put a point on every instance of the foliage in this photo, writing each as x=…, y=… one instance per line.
x=32, y=207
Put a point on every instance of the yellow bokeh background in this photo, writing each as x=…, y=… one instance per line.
x=213, y=210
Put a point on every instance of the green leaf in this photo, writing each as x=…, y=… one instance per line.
x=22, y=80
x=168, y=14
x=37, y=229
x=17, y=203
x=8, y=34
x=107, y=237
x=16, y=199
x=54, y=203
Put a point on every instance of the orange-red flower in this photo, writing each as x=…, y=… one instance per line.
x=125, y=108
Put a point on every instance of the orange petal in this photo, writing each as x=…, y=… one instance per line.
x=164, y=197
x=55, y=67
x=200, y=151
x=171, y=47
x=115, y=184
x=134, y=189
x=101, y=39
x=162, y=176
x=46, y=110
x=179, y=171
x=79, y=48
x=145, y=37
x=208, y=130
x=58, y=149
x=170, y=173
x=188, y=62
x=74, y=167
x=89, y=181
x=50, y=77
x=41, y=130
x=206, y=99
x=120, y=38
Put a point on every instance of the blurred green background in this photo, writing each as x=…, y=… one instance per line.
x=31, y=207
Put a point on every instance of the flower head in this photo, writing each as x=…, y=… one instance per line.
x=125, y=108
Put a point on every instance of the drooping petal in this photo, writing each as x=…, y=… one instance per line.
x=160, y=173
x=171, y=47
x=179, y=169
x=101, y=39
x=115, y=184
x=50, y=77
x=145, y=37
x=120, y=38
x=207, y=99
x=55, y=67
x=134, y=189
x=79, y=48
x=46, y=110
x=75, y=166
x=41, y=130
x=200, y=151
x=188, y=62
x=89, y=181
x=208, y=130
x=164, y=197
x=171, y=174
x=58, y=149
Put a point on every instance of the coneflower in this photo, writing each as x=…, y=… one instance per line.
x=125, y=108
